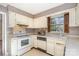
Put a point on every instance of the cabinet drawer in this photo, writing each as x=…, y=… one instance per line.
x=60, y=42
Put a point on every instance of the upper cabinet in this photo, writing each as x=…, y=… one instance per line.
x=40, y=22
x=15, y=18
x=20, y=19
x=30, y=23
x=12, y=19
x=72, y=20
x=77, y=14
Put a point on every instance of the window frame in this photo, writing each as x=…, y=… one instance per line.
x=51, y=18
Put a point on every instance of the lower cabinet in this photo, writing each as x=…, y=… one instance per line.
x=32, y=38
x=59, y=49
x=50, y=47
x=34, y=41
x=55, y=47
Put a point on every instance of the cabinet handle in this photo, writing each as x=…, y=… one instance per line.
x=60, y=43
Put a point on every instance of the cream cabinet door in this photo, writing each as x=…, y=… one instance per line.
x=59, y=49
x=72, y=21
x=12, y=19
x=34, y=37
x=40, y=22
x=20, y=19
x=31, y=41
x=30, y=23
x=50, y=46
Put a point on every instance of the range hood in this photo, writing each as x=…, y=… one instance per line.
x=19, y=27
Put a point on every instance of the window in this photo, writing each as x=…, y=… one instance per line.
x=57, y=24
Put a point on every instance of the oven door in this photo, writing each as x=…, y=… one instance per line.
x=23, y=43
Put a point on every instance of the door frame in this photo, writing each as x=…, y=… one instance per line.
x=4, y=34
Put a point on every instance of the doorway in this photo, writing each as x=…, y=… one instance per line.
x=0, y=35
x=3, y=34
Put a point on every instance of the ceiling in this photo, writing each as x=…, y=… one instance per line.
x=35, y=8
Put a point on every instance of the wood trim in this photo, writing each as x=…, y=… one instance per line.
x=48, y=23
x=66, y=23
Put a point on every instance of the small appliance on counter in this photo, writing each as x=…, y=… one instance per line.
x=42, y=32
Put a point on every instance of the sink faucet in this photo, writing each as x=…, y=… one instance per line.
x=61, y=32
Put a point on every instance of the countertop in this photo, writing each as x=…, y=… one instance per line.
x=53, y=35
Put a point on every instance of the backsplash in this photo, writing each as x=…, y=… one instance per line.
x=74, y=30
x=34, y=30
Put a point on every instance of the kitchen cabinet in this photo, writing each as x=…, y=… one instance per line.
x=72, y=20
x=34, y=39
x=13, y=47
x=12, y=19
x=40, y=22
x=59, y=49
x=20, y=19
x=30, y=23
x=55, y=47
x=15, y=18
x=50, y=46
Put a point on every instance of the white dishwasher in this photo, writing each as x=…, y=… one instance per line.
x=41, y=43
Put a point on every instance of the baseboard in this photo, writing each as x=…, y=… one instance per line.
x=42, y=51
x=45, y=51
